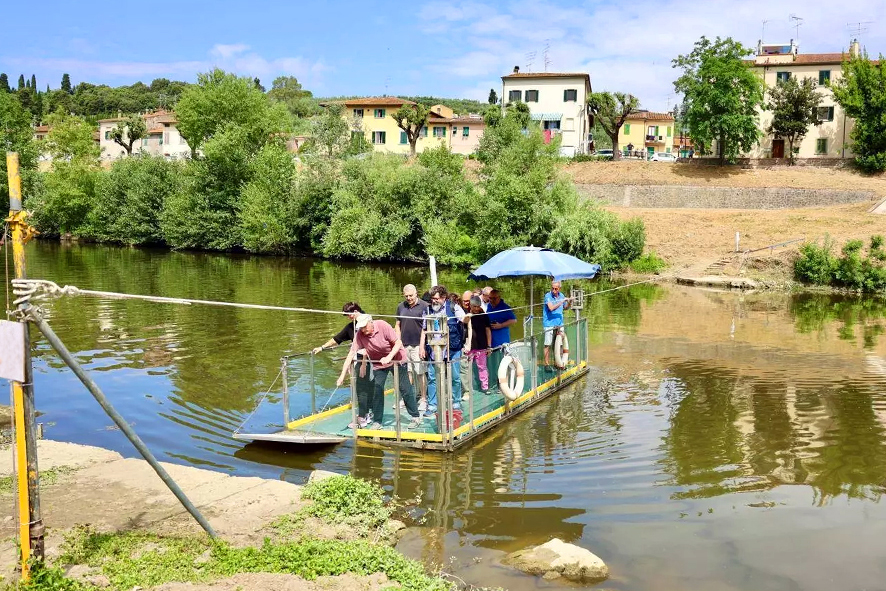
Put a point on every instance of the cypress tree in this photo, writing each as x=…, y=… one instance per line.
x=66, y=83
x=34, y=82
x=21, y=81
x=4, y=82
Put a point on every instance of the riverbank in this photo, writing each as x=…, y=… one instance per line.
x=98, y=505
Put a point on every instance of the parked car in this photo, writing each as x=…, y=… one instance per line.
x=607, y=154
x=663, y=157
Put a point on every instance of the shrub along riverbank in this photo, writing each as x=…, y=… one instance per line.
x=247, y=192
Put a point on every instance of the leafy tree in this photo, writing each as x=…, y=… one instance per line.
x=26, y=98
x=331, y=131
x=70, y=138
x=611, y=110
x=66, y=84
x=266, y=205
x=411, y=119
x=58, y=100
x=21, y=81
x=129, y=131
x=861, y=91
x=520, y=112
x=722, y=95
x=288, y=90
x=794, y=105
x=220, y=99
x=493, y=97
x=258, y=84
x=16, y=135
x=130, y=197
x=4, y=82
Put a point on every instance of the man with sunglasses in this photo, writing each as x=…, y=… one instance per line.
x=552, y=317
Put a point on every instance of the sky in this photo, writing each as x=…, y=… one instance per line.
x=455, y=49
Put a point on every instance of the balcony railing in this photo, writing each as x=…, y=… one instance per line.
x=655, y=139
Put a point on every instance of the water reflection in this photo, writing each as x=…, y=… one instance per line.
x=710, y=421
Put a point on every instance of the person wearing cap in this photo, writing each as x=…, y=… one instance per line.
x=385, y=349
x=364, y=381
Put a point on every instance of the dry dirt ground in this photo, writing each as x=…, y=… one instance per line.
x=692, y=239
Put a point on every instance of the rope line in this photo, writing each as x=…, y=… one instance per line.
x=39, y=289
x=260, y=401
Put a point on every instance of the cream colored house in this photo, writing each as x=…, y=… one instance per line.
x=162, y=137
x=775, y=62
x=557, y=101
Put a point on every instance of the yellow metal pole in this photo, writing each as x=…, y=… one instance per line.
x=30, y=521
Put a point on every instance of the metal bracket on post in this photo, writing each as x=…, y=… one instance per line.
x=397, y=398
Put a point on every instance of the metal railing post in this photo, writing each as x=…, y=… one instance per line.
x=136, y=441
x=354, y=370
x=30, y=519
x=313, y=387
x=397, y=398
x=285, y=371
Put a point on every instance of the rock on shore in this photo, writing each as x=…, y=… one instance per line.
x=556, y=559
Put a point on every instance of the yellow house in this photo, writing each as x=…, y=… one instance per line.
x=372, y=117
x=647, y=133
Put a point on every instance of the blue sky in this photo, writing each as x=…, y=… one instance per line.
x=440, y=48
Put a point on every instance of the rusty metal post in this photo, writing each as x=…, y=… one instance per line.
x=31, y=527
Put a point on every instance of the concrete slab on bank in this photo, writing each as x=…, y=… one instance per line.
x=721, y=281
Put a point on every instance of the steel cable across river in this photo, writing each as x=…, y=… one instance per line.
x=720, y=440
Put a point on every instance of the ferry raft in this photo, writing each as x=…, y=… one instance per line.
x=316, y=412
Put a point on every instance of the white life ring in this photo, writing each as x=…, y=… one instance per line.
x=511, y=393
x=561, y=350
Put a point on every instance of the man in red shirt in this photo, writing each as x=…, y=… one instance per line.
x=385, y=349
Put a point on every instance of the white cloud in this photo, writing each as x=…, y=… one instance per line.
x=223, y=51
x=629, y=46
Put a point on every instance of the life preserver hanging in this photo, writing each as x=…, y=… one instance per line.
x=508, y=362
x=561, y=350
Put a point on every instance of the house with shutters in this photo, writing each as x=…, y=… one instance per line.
x=781, y=61
x=372, y=117
x=557, y=102
x=161, y=138
x=647, y=133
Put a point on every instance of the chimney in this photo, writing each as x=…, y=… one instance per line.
x=854, y=49
x=516, y=69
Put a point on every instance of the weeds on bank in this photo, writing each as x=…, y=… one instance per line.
x=145, y=560
x=648, y=264
x=46, y=578
x=47, y=478
x=345, y=499
x=819, y=266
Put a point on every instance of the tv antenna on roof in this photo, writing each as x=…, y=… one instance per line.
x=387, y=83
x=763, y=33
x=530, y=57
x=798, y=22
x=547, y=50
x=857, y=29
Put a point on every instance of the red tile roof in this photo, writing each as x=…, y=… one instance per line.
x=548, y=75
x=388, y=101
x=156, y=130
x=651, y=116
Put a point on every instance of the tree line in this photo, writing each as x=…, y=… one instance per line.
x=244, y=191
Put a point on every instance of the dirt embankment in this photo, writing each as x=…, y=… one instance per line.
x=692, y=239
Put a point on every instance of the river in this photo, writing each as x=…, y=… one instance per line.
x=722, y=441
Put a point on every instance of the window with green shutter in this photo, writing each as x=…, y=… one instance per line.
x=465, y=131
x=824, y=76
x=403, y=138
x=669, y=131
x=439, y=132
x=379, y=113
x=821, y=146
x=627, y=128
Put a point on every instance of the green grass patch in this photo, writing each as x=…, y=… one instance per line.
x=648, y=264
x=47, y=478
x=345, y=499
x=146, y=560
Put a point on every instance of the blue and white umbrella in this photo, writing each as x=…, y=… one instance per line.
x=534, y=260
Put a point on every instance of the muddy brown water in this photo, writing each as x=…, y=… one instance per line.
x=722, y=441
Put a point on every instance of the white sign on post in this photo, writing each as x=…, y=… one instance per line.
x=12, y=350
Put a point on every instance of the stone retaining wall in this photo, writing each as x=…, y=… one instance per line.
x=771, y=162
x=677, y=196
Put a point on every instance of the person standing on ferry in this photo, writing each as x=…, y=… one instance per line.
x=552, y=317
x=501, y=317
x=408, y=327
x=364, y=382
x=385, y=349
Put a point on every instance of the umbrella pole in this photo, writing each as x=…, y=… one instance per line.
x=533, y=348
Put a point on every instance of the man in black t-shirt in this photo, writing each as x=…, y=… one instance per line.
x=364, y=383
x=408, y=327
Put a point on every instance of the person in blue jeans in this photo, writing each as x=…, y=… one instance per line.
x=552, y=316
x=501, y=318
x=440, y=312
